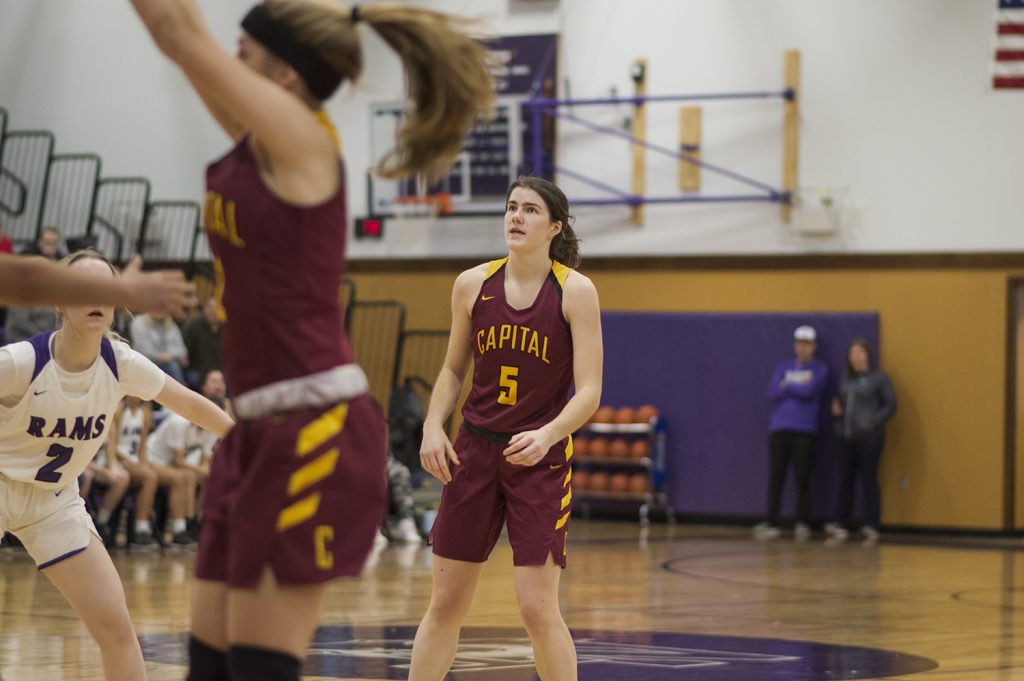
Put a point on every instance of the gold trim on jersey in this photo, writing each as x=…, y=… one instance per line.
x=493, y=267
x=321, y=430
x=312, y=435
x=328, y=125
x=561, y=272
x=299, y=512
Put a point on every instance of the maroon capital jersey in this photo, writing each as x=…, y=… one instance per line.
x=522, y=359
x=278, y=268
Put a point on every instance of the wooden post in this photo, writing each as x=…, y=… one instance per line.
x=639, y=131
x=689, y=144
x=791, y=131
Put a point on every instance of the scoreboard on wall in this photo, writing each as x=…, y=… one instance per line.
x=492, y=156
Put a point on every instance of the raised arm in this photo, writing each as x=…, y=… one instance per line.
x=583, y=312
x=303, y=158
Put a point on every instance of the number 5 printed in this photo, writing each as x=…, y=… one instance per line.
x=60, y=455
x=509, y=385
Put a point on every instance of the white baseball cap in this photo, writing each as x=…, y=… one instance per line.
x=805, y=333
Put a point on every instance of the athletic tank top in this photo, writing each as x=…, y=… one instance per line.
x=522, y=359
x=48, y=437
x=129, y=435
x=279, y=269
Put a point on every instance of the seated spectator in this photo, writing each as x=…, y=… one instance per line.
x=6, y=247
x=201, y=334
x=47, y=244
x=25, y=322
x=106, y=471
x=132, y=423
x=180, y=452
x=157, y=337
x=400, y=489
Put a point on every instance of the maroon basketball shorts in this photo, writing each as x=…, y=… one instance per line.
x=302, y=492
x=486, y=491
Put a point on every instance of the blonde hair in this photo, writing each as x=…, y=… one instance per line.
x=89, y=254
x=447, y=73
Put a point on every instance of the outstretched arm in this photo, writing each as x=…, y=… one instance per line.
x=195, y=408
x=31, y=282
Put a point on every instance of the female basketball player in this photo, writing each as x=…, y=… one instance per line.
x=129, y=435
x=58, y=392
x=36, y=281
x=531, y=325
x=296, y=492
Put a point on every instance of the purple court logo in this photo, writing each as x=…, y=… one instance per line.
x=501, y=654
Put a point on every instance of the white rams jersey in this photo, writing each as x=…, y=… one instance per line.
x=52, y=421
x=129, y=436
x=176, y=433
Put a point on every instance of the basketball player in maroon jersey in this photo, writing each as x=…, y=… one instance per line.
x=531, y=325
x=296, y=490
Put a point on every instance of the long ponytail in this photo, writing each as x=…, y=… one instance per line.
x=447, y=73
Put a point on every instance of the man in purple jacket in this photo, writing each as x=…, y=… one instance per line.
x=796, y=390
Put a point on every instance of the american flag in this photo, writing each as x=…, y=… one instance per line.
x=1008, y=67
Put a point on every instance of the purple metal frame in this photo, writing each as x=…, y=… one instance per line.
x=540, y=106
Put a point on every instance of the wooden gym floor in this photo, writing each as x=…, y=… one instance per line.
x=672, y=602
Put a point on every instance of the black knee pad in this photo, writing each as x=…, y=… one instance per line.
x=206, y=663
x=248, y=663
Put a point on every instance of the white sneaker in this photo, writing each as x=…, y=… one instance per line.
x=802, y=532
x=836, y=531
x=764, y=530
x=870, y=533
x=380, y=541
x=406, y=532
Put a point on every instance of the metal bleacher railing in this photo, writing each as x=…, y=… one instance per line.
x=39, y=188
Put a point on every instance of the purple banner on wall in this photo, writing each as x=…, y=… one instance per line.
x=708, y=373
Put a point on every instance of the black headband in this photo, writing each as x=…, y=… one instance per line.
x=320, y=78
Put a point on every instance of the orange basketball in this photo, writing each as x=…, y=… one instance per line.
x=618, y=448
x=580, y=446
x=598, y=481
x=639, y=483
x=619, y=483
x=640, y=449
x=645, y=413
x=580, y=479
x=624, y=415
x=603, y=415
x=598, y=447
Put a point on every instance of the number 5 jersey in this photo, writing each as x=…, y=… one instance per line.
x=522, y=359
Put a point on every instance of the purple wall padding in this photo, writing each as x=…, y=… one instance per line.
x=708, y=373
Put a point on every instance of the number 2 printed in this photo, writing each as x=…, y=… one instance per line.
x=60, y=455
x=509, y=385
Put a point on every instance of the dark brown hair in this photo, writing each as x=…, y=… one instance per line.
x=565, y=247
x=447, y=73
x=860, y=343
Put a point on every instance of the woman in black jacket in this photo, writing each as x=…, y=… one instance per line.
x=866, y=401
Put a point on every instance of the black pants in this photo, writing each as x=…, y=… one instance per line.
x=790, y=446
x=860, y=456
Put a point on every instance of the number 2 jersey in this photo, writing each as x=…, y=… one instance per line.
x=52, y=421
x=522, y=359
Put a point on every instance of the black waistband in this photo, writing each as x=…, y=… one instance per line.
x=503, y=438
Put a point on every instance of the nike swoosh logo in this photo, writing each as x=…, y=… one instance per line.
x=38, y=392
x=486, y=297
x=557, y=465
x=57, y=494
